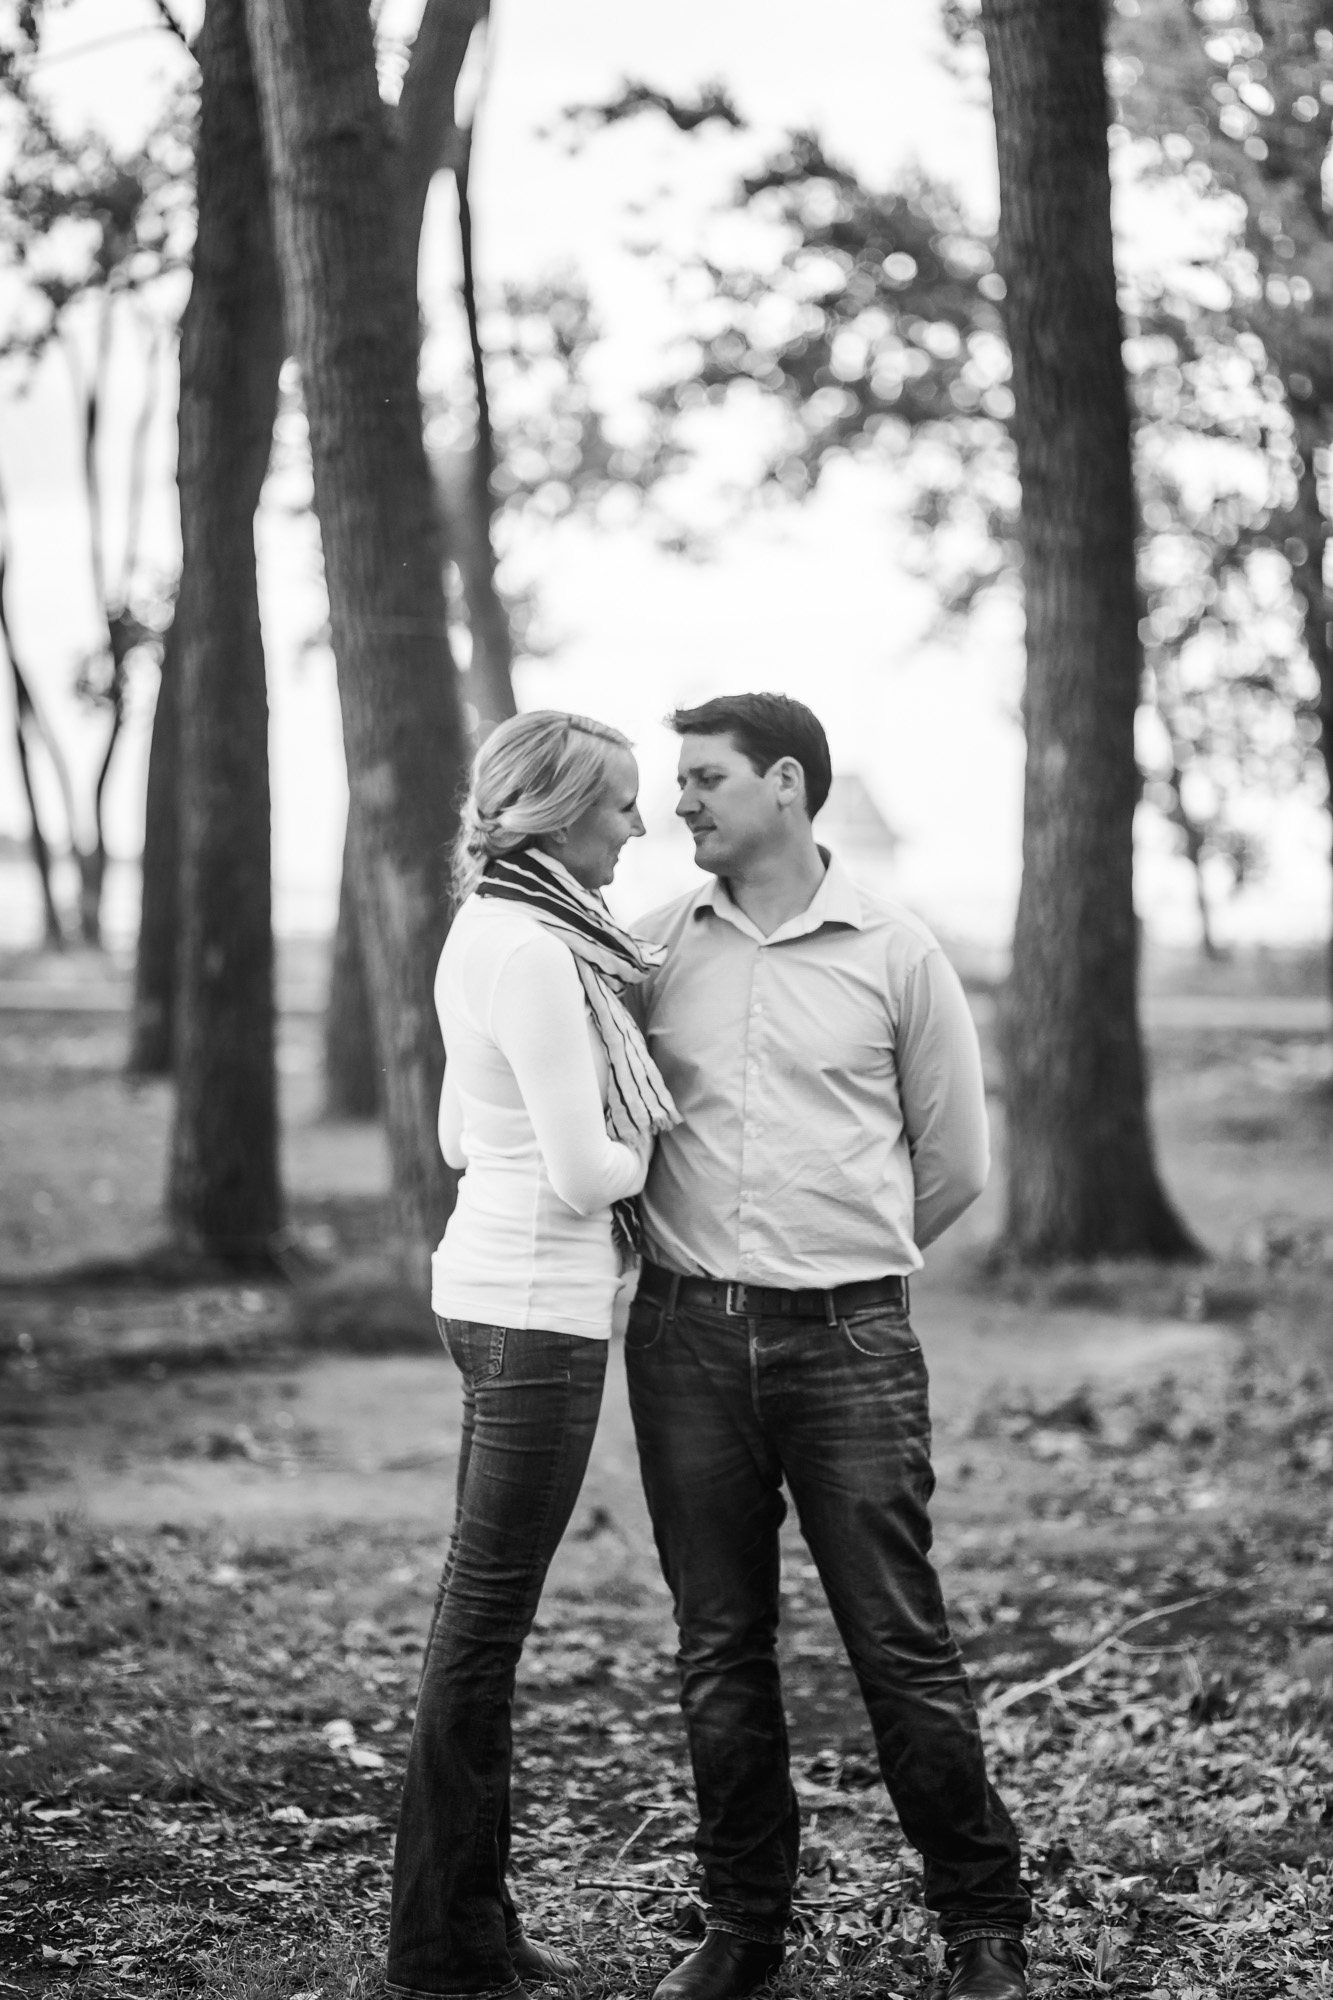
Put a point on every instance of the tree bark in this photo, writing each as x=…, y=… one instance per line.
x=351, y=314
x=53, y=930
x=491, y=670
x=1312, y=526
x=428, y=142
x=351, y=1062
x=152, y=1024
x=425, y=131
x=1082, y=1180
x=223, y=1193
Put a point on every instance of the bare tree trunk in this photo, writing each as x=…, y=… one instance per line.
x=1082, y=1179
x=424, y=129
x=30, y=726
x=41, y=851
x=428, y=141
x=1308, y=576
x=152, y=1023
x=351, y=313
x=1212, y=950
x=223, y=1192
x=490, y=676
x=351, y=1064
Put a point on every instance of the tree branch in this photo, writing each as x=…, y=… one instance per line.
x=427, y=132
x=714, y=102
x=1022, y=1690
x=169, y=21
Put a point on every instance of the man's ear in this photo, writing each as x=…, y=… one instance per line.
x=791, y=782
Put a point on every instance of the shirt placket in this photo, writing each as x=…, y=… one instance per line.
x=756, y=1118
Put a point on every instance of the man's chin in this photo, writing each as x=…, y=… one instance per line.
x=707, y=854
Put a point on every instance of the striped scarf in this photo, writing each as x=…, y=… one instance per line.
x=608, y=959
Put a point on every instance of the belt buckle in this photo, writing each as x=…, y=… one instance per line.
x=733, y=1310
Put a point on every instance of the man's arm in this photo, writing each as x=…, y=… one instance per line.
x=943, y=1096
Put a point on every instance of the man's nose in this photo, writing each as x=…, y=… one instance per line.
x=685, y=805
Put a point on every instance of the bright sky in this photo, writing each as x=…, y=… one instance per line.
x=816, y=603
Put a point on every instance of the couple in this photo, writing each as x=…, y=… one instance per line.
x=791, y=1112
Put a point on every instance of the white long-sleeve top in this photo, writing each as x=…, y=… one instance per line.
x=524, y=1111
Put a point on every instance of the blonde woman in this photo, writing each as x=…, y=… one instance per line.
x=551, y=1103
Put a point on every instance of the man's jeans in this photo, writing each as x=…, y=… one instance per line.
x=530, y=1404
x=726, y=1408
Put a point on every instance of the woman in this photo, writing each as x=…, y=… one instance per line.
x=551, y=1102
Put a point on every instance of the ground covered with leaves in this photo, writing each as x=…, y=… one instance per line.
x=202, y=1739
x=202, y=1732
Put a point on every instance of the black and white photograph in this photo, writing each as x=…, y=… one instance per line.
x=666, y=1000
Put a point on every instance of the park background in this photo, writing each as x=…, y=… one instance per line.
x=225, y=1491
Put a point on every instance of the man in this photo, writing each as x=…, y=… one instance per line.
x=821, y=1053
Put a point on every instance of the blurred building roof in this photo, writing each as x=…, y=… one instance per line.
x=851, y=819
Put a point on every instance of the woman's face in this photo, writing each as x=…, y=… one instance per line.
x=592, y=843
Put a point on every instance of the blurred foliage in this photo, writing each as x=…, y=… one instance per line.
x=873, y=332
x=848, y=322
x=1231, y=104
x=79, y=217
x=96, y=241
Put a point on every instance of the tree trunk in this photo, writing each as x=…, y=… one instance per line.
x=223, y=1193
x=488, y=687
x=490, y=675
x=53, y=930
x=1309, y=519
x=1212, y=950
x=1082, y=1180
x=152, y=1024
x=428, y=143
x=351, y=313
x=351, y=1064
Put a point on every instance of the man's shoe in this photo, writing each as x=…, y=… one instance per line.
x=723, y=1968
x=986, y=1968
x=535, y=1963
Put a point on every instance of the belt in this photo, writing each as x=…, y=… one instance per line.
x=769, y=1301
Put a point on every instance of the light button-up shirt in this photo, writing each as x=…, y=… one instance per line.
x=830, y=1087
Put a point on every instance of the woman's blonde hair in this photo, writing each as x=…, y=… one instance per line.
x=534, y=774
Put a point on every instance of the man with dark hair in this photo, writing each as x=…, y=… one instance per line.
x=765, y=727
x=821, y=1052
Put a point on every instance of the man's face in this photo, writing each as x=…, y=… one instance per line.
x=730, y=808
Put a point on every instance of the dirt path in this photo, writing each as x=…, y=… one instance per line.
x=271, y=1452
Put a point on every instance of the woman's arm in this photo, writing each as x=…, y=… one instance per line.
x=450, y=1125
x=540, y=1022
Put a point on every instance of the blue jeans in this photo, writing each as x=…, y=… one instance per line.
x=530, y=1405
x=726, y=1408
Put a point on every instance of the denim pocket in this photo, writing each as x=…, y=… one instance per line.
x=644, y=1327
x=885, y=1336
x=478, y=1351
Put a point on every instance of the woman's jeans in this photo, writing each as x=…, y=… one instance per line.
x=727, y=1407
x=530, y=1404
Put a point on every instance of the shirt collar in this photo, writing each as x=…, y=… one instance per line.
x=837, y=900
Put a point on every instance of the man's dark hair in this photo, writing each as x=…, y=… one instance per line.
x=765, y=727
